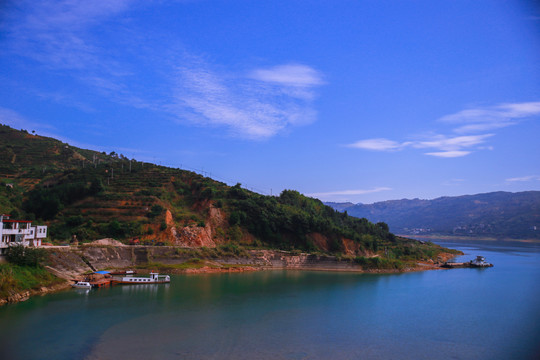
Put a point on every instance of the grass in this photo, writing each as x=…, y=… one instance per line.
x=14, y=278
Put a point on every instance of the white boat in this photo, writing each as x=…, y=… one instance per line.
x=154, y=278
x=82, y=285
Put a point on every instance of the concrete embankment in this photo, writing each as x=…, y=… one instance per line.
x=70, y=262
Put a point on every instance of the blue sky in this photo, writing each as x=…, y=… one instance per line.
x=357, y=101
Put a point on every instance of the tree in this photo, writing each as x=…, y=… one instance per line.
x=156, y=210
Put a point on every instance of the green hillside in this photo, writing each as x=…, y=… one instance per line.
x=94, y=195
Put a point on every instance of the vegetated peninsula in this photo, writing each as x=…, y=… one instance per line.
x=85, y=195
x=497, y=215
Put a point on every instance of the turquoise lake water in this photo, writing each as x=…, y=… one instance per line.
x=489, y=313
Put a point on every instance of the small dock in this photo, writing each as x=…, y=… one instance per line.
x=100, y=283
x=103, y=278
x=98, y=279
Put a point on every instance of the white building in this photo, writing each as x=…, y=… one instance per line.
x=20, y=232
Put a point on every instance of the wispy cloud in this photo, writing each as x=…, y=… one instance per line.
x=449, y=154
x=524, y=178
x=378, y=144
x=333, y=194
x=447, y=147
x=255, y=103
x=290, y=75
x=250, y=107
x=452, y=143
x=62, y=98
x=58, y=35
x=489, y=118
x=54, y=32
x=470, y=122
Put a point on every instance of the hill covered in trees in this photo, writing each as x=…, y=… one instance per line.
x=497, y=214
x=94, y=195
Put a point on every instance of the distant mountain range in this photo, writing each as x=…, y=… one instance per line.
x=496, y=214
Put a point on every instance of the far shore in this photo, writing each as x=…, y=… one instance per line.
x=467, y=238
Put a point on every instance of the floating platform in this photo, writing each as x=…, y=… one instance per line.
x=100, y=283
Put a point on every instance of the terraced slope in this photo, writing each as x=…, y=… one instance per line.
x=94, y=195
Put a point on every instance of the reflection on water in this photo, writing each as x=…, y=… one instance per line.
x=143, y=288
x=460, y=313
x=82, y=291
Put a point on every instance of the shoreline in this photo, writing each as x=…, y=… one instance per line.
x=71, y=263
x=27, y=294
x=42, y=291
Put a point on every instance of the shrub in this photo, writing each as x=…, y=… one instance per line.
x=156, y=210
x=25, y=256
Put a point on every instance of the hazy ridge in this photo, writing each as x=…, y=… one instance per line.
x=496, y=214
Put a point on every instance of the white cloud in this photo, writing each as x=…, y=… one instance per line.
x=449, y=147
x=290, y=74
x=332, y=194
x=449, y=154
x=524, y=178
x=494, y=117
x=59, y=36
x=470, y=121
x=54, y=32
x=257, y=104
x=249, y=107
x=379, y=144
x=452, y=144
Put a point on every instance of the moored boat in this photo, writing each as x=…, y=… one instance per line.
x=480, y=261
x=82, y=285
x=154, y=278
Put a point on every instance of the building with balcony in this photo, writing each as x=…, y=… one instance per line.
x=19, y=232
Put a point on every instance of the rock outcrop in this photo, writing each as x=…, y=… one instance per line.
x=198, y=236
